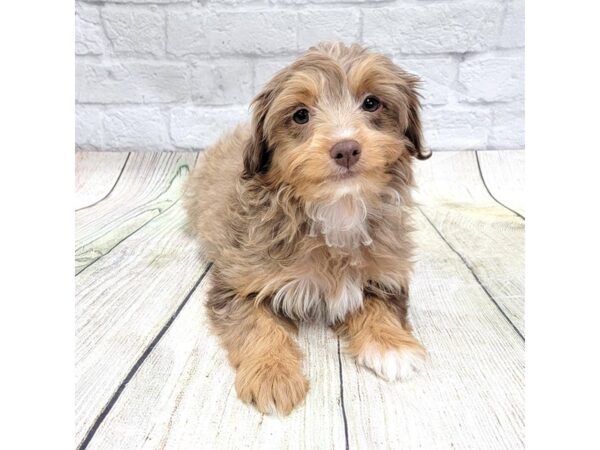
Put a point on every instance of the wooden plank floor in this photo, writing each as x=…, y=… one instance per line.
x=150, y=375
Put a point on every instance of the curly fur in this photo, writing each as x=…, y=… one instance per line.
x=294, y=237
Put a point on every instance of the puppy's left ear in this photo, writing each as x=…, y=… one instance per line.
x=414, y=131
x=257, y=156
x=258, y=151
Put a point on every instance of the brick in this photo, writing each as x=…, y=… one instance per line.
x=452, y=128
x=251, y=32
x=321, y=2
x=89, y=35
x=437, y=76
x=492, y=78
x=251, y=3
x=433, y=27
x=88, y=127
x=198, y=127
x=136, y=128
x=222, y=82
x=230, y=32
x=132, y=82
x=513, y=28
x=327, y=25
x=135, y=82
x=186, y=33
x=165, y=2
x=508, y=127
x=174, y=74
x=135, y=29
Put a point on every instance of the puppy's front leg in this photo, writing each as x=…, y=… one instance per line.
x=379, y=338
x=261, y=349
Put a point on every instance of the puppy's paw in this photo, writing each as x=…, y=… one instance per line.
x=393, y=364
x=271, y=387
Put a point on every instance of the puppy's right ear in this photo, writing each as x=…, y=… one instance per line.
x=413, y=131
x=257, y=155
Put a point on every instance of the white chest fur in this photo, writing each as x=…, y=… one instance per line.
x=341, y=221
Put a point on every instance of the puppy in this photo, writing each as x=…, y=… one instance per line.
x=305, y=214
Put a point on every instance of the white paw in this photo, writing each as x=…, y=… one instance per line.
x=393, y=365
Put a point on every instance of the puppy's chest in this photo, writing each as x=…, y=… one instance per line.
x=314, y=294
x=329, y=280
x=341, y=224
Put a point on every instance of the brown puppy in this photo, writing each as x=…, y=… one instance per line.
x=305, y=215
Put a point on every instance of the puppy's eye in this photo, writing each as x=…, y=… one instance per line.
x=371, y=103
x=301, y=116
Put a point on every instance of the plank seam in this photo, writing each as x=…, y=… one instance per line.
x=113, y=399
x=468, y=266
x=111, y=189
x=342, y=403
x=488, y=190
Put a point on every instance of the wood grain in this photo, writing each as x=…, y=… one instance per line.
x=471, y=392
x=150, y=375
x=149, y=184
x=95, y=175
x=123, y=301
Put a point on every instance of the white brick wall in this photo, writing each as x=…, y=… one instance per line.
x=173, y=74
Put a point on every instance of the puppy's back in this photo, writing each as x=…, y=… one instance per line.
x=210, y=193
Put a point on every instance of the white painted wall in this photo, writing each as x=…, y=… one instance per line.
x=173, y=74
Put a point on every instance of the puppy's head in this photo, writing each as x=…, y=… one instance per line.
x=337, y=118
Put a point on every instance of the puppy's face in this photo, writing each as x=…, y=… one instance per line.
x=334, y=121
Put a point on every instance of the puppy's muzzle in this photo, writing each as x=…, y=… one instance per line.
x=345, y=153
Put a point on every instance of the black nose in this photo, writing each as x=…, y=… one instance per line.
x=345, y=153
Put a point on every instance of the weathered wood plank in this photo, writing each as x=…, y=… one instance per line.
x=122, y=301
x=450, y=178
x=471, y=392
x=487, y=235
x=184, y=397
x=150, y=184
x=95, y=175
x=491, y=242
x=504, y=174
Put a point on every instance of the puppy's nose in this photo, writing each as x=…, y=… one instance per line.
x=345, y=153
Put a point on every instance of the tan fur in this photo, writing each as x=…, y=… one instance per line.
x=375, y=325
x=261, y=348
x=378, y=339
x=290, y=233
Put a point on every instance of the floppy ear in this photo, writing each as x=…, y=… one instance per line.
x=413, y=130
x=257, y=156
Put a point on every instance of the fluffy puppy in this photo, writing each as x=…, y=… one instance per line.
x=305, y=214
